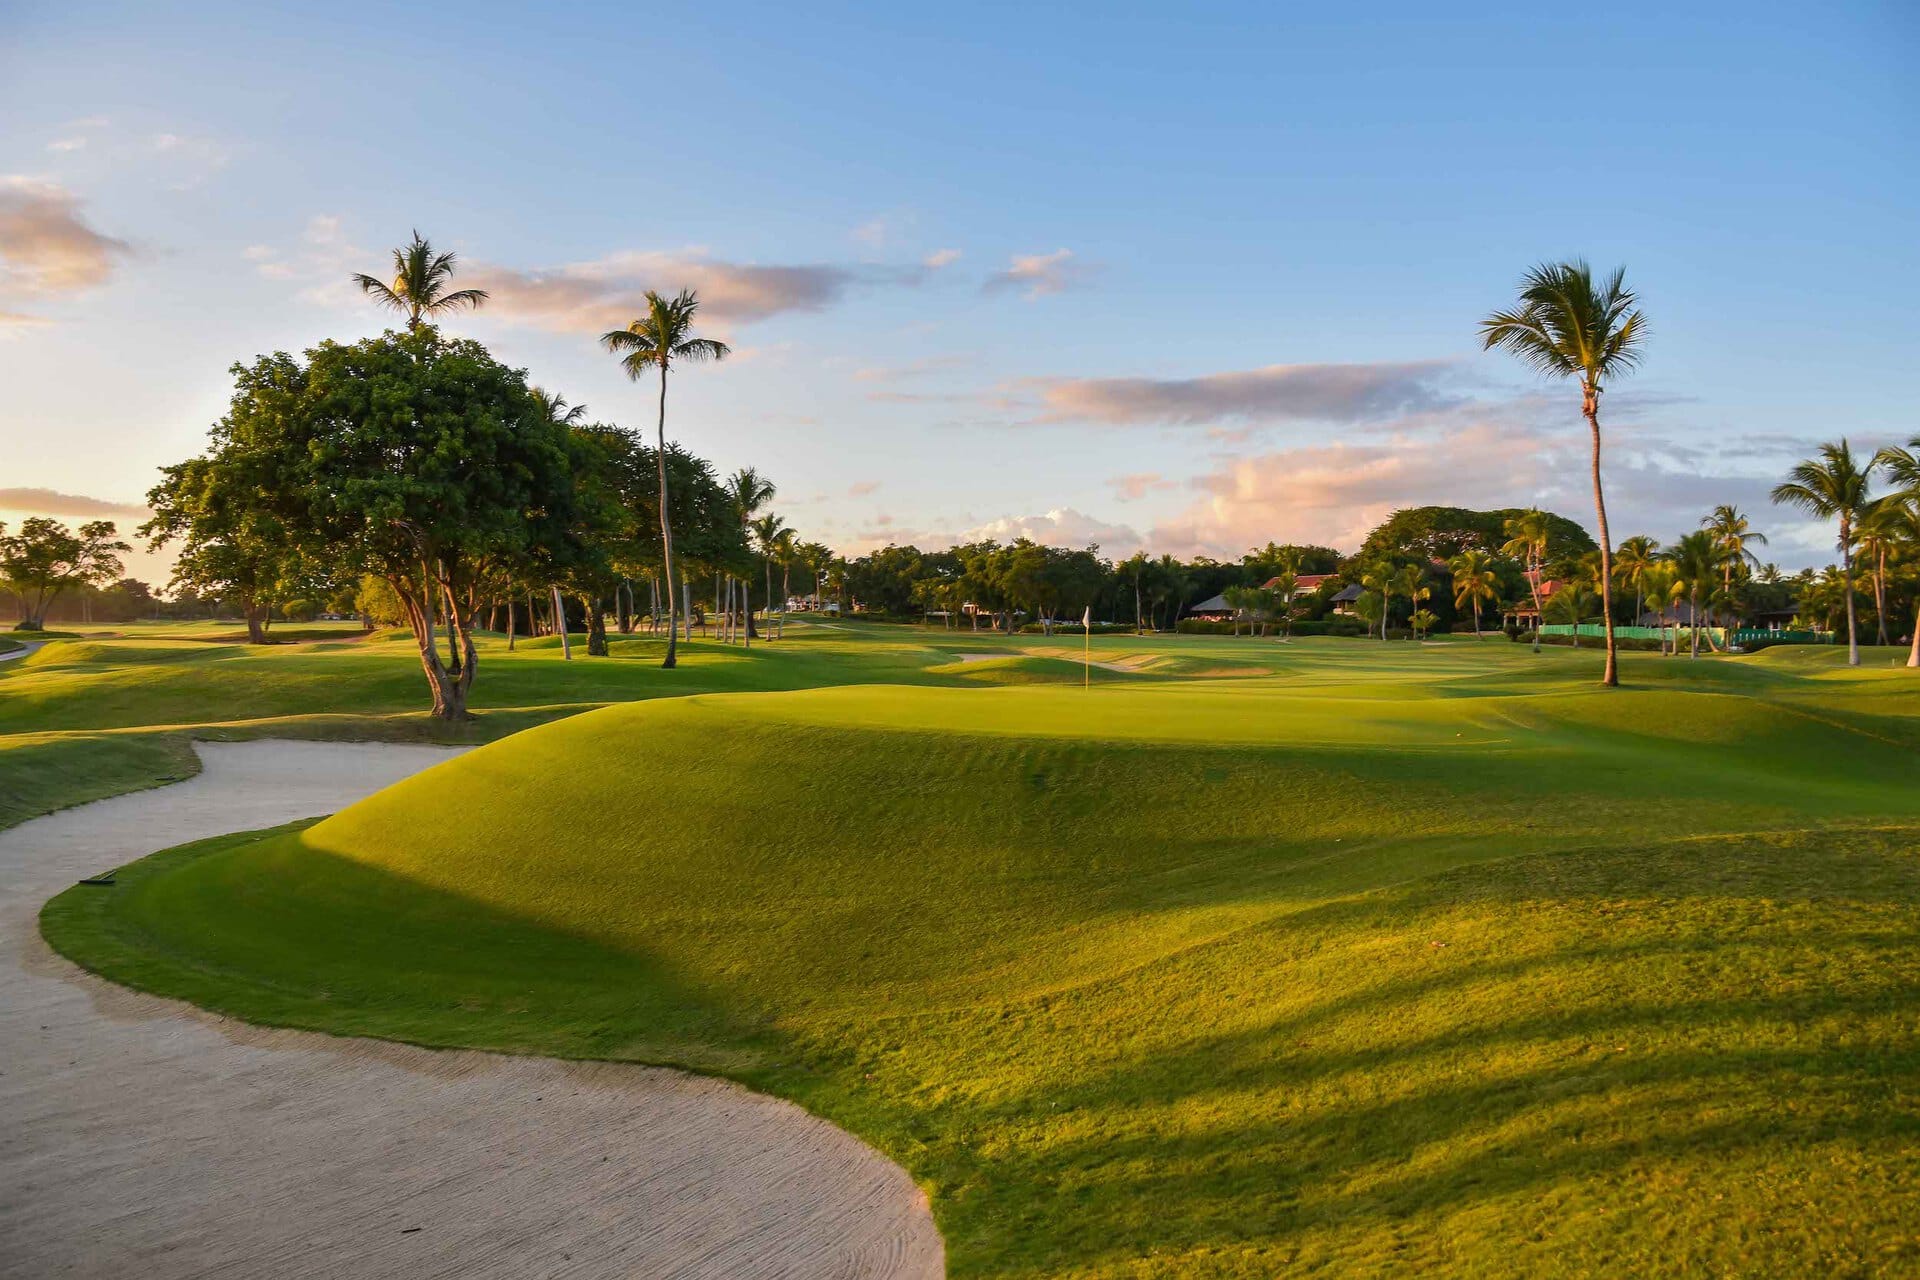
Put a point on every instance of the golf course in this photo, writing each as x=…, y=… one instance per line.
x=1201, y=956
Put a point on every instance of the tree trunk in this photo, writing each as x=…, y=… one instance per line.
x=560, y=624
x=596, y=627
x=786, y=594
x=623, y=601
x=1913, y=654
x=666, y=525
x=1880, y=594
x=1611, y=677
x=1846, y=574
x=256, y=620
x=509, y=626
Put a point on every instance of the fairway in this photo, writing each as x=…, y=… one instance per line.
x=1250, y=958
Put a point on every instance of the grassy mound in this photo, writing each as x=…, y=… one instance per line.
x=1485, y=973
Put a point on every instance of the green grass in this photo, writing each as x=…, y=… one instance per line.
x=1252, y=959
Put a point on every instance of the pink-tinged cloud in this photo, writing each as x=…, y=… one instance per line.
x=1038, y=274
x=47, y=247
x=607, y=293
x=862, y=488
x=940, y=258
x=52, y=502
x=1281, y=393
x=1060, y=527
x=1132, y=488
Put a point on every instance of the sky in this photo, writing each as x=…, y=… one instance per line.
x=1187, y=277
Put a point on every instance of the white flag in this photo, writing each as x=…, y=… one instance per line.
x=1086, y=619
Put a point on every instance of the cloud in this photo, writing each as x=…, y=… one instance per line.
x=66, y=144
x=1484, y=457
x=51, y=502
x=917, y=368
x=1281, y=393
x=1039, y=274
x=940, y=258
x=1132, y=488
x=1060, y=527
x=47, y=248
x=606, y=293
x=861, y=488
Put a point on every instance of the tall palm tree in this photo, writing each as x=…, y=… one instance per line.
x=1697, y=559
x=751, y=492
x=767, y=531
x=1527, y=542
x=419, y=288
x=1411, y=582
x=656, y=341
x=1630, y=564
x=1734, y=534
x=1902, y=465
x=1881, y=538
x=1473, y=584
x=1567, y=325
x=1834, y=486
x=1660, y=582
x=786, y=546
x=1379, y=579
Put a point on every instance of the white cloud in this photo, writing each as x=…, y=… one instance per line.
x=1039, y=274
x=940, y=258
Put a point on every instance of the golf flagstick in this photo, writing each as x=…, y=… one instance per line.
x=1086, y=649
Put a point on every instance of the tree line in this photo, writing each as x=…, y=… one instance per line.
x=438, y=487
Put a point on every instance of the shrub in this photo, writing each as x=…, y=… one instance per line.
x=300, y=610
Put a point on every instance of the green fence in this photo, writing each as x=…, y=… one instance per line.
x=1745, y=635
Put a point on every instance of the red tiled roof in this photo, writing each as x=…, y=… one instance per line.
x=1301, y=582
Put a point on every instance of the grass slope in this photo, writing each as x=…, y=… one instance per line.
x=1399, y=959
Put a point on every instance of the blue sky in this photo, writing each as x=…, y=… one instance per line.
x=1193, y=279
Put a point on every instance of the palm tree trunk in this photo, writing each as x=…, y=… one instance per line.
x=1611, y=677
x=666, y=525
x=1880, y=594
x=560, y=624
x=1913, y=654
x=1846, y=575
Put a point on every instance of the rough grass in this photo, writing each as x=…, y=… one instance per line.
x=1403, y=958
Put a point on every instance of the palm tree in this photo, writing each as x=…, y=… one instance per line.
x=767, y=531
x=1569, y=326
x=1881, y=538
x=1473, y=584
x=419, y=287
x=1834, y=485
x=1527, y=543
x=1902, y=465
x=1284, y=586
x=1379, y=579
x=1731, y=530
x=786, y=545
x=751, y=492
x=556, y=411
x=1410, y=581
x=655, y=341
x=1660, y=582
x=1697, y=560
x=1631, y=562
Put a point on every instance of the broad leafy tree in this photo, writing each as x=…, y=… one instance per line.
x=409, y=457
x=1569, y=325
x=45, y=559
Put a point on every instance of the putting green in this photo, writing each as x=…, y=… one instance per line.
x=1393, y=960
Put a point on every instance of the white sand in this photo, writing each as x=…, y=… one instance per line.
x=141, y=1137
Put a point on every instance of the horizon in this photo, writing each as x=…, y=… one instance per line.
x=1212, y=284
